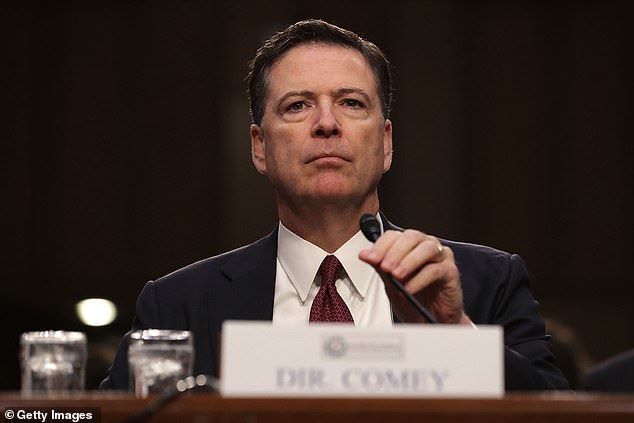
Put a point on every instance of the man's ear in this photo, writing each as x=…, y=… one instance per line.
x=387, y=145
x=258, y=149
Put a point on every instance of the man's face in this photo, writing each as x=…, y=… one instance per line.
x=323, y=138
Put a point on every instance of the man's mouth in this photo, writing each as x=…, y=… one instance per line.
x=328, y=157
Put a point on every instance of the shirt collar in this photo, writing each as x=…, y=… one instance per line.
x=301, y=259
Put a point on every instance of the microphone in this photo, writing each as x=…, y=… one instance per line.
x=371, y=228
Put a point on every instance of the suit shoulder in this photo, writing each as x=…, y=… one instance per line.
x=467, y=250
x=484, y=264
x=201, y=270
x=474, y=261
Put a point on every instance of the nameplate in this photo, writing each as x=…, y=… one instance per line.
x=261, y=359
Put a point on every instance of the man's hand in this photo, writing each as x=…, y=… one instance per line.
x=427, y=270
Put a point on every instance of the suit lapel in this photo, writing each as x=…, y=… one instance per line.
x=242, y=288
x=250, y=287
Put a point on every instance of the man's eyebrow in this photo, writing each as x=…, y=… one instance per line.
x=303, y=93
x=344, y=91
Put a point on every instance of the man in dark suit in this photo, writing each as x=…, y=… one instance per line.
x=320, y=101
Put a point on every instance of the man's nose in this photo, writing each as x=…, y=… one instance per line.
x=326, y=124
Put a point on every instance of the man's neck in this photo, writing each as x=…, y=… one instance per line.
x=328, y=227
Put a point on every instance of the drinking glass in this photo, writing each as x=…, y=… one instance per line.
x=158, y=359
x=53, y=361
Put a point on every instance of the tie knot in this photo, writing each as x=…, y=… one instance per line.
x=329, y=269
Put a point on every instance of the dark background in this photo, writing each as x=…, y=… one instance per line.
x=125, y=147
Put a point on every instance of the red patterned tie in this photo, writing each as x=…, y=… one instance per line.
x=328, y=305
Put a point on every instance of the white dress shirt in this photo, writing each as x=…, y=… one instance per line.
x=297, y=281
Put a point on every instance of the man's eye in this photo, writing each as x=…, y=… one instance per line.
x=295, y=107
x=350, y=102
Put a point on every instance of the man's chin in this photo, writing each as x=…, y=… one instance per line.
x=333, y=197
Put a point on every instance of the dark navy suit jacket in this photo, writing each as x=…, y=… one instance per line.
x=240, y=285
